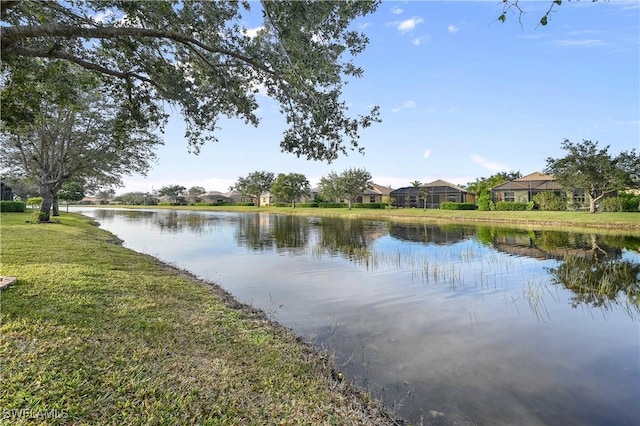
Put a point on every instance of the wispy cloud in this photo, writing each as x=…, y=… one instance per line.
x=409, y=24
x=580, y=43
x=453, y=29
x=496, y=167
x=396, y=10
x=252, y=32
x=427, y=153
x=419, y=40
x=406, y=105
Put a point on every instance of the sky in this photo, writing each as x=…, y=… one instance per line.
x=462, y=96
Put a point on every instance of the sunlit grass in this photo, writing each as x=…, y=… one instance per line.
x=104, y=335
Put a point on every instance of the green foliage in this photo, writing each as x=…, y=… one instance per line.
x=173, y=192
x=333, y=205
x=587, y=167
x=485, y=203
x=450, y=205
x=482, y=186
x=289, y=187
x=12, y=206
x=34, y=201
x=347, y=185
x=255, y=184
x=611, y=204
x=550, y=201
x=198, y=57
x=71, y=192
x=136, y=198
x=195, y=193
x=630, y=202
x=369, y=205
x=510, y=206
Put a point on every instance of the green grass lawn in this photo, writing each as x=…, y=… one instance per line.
x=93, y=333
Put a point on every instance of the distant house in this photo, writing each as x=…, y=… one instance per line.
x=525, y=188
x=214, y=197
x=235, y=196
x=375, y=194
x=6, y=193
x=430, y=195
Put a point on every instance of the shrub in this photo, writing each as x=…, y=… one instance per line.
x=485, y=203
x=12, y=206
x=611, y=204
x=510, y=206
x=547, y=200
x=307, y=205
x=630, y=202
x=450, y=205
x=368, y=205
x=332, y=205
x=34, y=201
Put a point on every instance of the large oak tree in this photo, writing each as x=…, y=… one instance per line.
x=199, y=57
x=595, y=170
x=76, y=132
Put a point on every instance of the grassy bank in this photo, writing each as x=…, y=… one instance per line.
x=93, y=333
x=625, y=223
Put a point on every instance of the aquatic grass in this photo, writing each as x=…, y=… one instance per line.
x=105, y=335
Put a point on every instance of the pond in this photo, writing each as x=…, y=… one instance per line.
x=455, y=324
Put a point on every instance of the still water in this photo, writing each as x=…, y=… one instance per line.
x=464, y=325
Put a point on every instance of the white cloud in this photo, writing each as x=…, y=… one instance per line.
x=580, y=43
x=427, y=153
x=418, y=40
x=103, y=15
x=453, y=29
x=496, y=167
x=252, y=32
x=406, y=105
x=397, y=11
x=409, y=24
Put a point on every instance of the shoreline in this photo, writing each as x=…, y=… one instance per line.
x=143, y=339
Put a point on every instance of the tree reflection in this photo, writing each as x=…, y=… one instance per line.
x=600, y=282
x=351, y=238
x=267, y=232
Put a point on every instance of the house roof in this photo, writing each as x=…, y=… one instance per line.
x=534, y=177
x=533, y=182
x=382, y=190
x=441, y=182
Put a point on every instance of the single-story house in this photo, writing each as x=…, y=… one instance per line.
x=430, y=195
x=375, y=194
x=525, y=188
x=214, y=197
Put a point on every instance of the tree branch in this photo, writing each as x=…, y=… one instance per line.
x=12, y=35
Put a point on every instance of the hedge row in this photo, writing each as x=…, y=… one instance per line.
x=12, y=206
x=451, y=205
x=510, y=205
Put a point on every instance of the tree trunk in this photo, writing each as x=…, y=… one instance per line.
x=349, y=203
x=56, y=207
x=45, y=207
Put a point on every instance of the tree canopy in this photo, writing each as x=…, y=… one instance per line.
x=255, y=184
x=73, y=131
x=595, y=170
x=172, y=191
x=347, y=185
x=199, y=57
x=288, y=187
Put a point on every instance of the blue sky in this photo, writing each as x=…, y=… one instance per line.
x=462, y=96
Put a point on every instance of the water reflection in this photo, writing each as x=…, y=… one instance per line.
x=450, y=325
